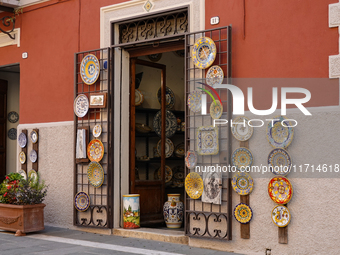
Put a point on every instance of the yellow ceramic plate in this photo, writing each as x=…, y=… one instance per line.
x=89, y=69
x=203, y=52
x=95, y=150
x=243, y=213
x=194, y=185
x=95, y=173
x=22, y=157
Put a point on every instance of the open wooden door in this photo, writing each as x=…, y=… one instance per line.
x=3, y=128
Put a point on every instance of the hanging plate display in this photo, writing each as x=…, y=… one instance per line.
x=82, y=201
x=194, y=185
x=139, y=97
x=169, y=147
x=280, y=190
x=33, y=176
x=12, y=134
x=242, y=183
x=279, y=161
x=22, y=140
x=216, y=110
x=194, y=101
x=23, y=174
x=95, y=174
x=22, y=157
x=169, y=97
x=13, y=117
x=191, y=159
x=281, y=216
x=241, y=130
x=97, y=130
x=214, y=76
x=203, y=52
x=207, y=140
x=34, y=136
x=89, y=69
x=242, y=158
x=81, y=105
x=168, y=174
x=95, y=150
x=243, y=213
x=170, y=123
x=33, y=156
x=278, y=135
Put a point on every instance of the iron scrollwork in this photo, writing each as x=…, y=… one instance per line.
x=8, y=22
x=96, y=218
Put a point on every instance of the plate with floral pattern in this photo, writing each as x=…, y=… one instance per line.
x=12, y=133
x=169, y=97
x=81, y=105
x=22, y=140
x=13, y=117
x=34, y=136
x=89, y=69
x=95, y=150
x=216, y=110
x=33, y=176
x=214, y=76
x=207, y=140
x=82, y=201
x=95, y=174
x=243, y=213
x=281, y=216
x=194, y=101
x=278, y=135
x=280, y=190
x=242, y=183
x=240, y=129
x=33, y=156
x=194, y=185
x=279, y=161
x=242, y=158
x=97, y=130
x=23, y=174
x=191, y=159
x=170, y=123
x=203, y=53
x=169, y=147
x=22, y=157
x=168, y=174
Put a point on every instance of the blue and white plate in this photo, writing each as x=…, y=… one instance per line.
x=170, y=123
x=169, y=97
x=82, y=201
x=280, y=136
x=22, y=140
x=203, y=52
x=81, y=105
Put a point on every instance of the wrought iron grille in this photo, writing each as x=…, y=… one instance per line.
x=154, y=27
x=99, y=213
x=206, y=220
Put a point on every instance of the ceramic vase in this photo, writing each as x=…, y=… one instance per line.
x=173, y=211
x=131, y=211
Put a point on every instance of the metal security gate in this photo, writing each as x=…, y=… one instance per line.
x=207, y=220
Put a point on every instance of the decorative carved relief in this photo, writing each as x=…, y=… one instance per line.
x=10, y=220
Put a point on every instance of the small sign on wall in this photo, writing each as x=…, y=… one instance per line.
x=214, y=20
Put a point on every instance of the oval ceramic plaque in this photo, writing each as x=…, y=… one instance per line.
x=281, y=216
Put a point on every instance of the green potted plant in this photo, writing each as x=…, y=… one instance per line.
x=21, y=204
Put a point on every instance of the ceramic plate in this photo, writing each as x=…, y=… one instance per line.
x=23, y=174
x=22, y=140
x=203, y=52
x=139, y=97
x=142, y=128
x=170, y=124
x=191, y=159
x=241, y=130
x=243, y=213
x=194, y=185
x=180, y=151
x=169, y=147
x=194, y=101
x=97, y=130
x=178, y=172
x=214, y=76
x=281, y=216
x=216, y=110
x=89, y=69
x=279, y=161
x=12, y=134
x=242, y=183
x=22, y=157
x=278, y=135
x=82, y=201
x=32, y=174
x=95, y=174
x=33, y=156
x=242, y=158
x=13, y=117
x=34, y=136
x=168, y=174
x=95, y=150
x=207, y=140
x=280, y=190
x=81, y=105
x=169, y=97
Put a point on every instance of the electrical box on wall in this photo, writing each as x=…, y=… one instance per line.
x=214, y=20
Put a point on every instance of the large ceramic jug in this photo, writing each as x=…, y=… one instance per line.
x=173, y=211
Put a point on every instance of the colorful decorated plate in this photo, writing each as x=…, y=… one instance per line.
x=169, y=147
x=95, y=150
x=207, y=140
x=216, y=110
x=280, y=190
x=81, y=105
x=168, y=174
x=97, y=130
x=33, y=176
x=33, y=156
x=242, y=158
x=203, y=52
x=241, y=130
x=278, y=135
x=281, y=216
x=180, y=151
x=139, y=97
x=22, y=140
x=34, y=136
x=13, y=117
x=191, y=159
x=170, y=123
x=12, y=133
x=82, y=201
x=22, y=157
x=194, y=101
x=243, y=213
x=279, y=161
x=23, y=174
x=95, y=174
x=178, y=172
x=169, y=97
x=89, y=69
x=214, y=76
x=194, y=185
x=242, y=183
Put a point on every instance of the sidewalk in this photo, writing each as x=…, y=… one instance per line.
x=59, y=241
